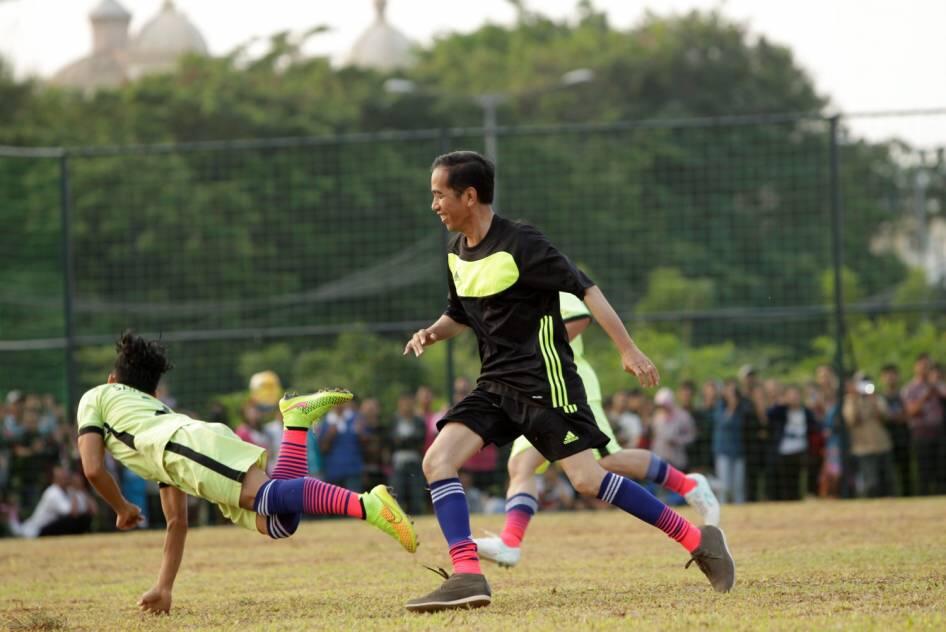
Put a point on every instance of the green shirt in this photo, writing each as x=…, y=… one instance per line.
x=135, y=426
x=573, y=308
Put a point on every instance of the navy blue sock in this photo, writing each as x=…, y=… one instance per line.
x=656, y=469
x=282, y=525
x=454, y=518
x=279, y=497
x=637, y=501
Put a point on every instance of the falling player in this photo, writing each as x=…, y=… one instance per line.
x=207, y=460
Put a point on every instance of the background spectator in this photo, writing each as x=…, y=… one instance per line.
x=340, y=444
x=728, y=455
x=250, y=428
x=406, y=440
x=792, y=423
x=755, y=434
x=62, y=509
x=673, y=431
x=700, y=451
x=34, y=454
x=627, y=424
x=10, y=429
x=265, y=392
x=870, y=444
x=373, y=442
x=923, y=401
x=895, y=420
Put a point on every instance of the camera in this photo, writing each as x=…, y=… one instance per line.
x=865, y=387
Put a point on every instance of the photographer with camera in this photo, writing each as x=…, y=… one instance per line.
x=871, y=447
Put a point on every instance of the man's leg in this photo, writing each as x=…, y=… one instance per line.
x=466, y=588
x=645, y=465
x=706, y=545
x=521, y=505
x=299, y=413
x=282, y=501
x=270, y=497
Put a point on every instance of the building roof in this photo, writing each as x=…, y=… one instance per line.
x=98, y=70
x=109, y=10
x=381, y=46
x=169, y=33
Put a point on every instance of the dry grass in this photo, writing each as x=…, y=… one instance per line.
x=815, y=565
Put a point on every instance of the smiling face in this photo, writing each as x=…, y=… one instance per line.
x=454, y=209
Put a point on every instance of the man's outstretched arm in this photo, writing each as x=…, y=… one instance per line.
x=444, y=329
x=92, y=453
x=158, y=599
x=633, y=359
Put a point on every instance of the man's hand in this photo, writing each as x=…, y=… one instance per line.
x=129, y=517
x=156, y=601
x=421, y=338
x=638, y=364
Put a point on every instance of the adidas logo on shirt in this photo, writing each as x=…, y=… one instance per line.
x=569, y=438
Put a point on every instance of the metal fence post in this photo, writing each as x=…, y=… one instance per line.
x=68, y=276
x=837, y=248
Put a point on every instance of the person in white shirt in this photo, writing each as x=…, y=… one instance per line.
x=58, y=504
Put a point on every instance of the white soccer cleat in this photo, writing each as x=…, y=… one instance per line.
x=493, y=548
x=703, y=499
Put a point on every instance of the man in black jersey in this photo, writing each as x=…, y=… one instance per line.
x=503, y=284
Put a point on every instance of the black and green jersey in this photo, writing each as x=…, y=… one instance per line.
x=506, y=289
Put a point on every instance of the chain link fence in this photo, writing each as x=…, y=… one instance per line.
x=773, y=241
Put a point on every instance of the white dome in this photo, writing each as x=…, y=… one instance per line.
x=381, y=46
x=169, y=33
x=109, y=10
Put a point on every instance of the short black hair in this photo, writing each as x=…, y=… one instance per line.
x=140, y=363
x=889, y=368
x=468, y=169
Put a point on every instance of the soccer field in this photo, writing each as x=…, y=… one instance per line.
x=812, y=565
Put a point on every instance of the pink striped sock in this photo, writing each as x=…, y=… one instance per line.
x=680, y=529
x=292, y=461
x=515, y=528
x=319, y=497
x=464, y=558
x=677, y=481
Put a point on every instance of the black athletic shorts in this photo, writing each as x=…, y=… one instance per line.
x=553, y=432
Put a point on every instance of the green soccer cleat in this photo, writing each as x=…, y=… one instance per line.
x=303, y=410
x=382, y=510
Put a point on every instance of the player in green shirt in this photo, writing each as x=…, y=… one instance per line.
x=208, y=460
x=525, y=460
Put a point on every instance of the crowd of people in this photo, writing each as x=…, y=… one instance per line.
x=755, y=438
x=763, y=439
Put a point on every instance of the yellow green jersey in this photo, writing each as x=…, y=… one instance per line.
x=136, y=427
x=573, y=308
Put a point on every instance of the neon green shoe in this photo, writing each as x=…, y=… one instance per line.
x=302, y=410
x=382, y=510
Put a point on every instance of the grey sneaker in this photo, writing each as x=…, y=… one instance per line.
x=461, y=590
x=714, y=559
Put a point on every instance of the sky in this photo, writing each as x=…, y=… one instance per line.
x=866, y=55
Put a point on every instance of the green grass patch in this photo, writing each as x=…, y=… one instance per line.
x=876, y=565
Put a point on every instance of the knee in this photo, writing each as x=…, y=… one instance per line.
x=437, y=465
x=519, y=469
x=587, y=482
